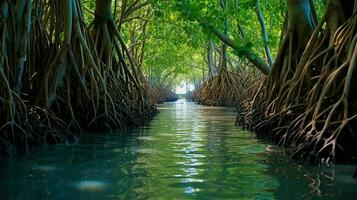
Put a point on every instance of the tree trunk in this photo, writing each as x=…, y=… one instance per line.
x=300, y=26
x=268, y=55
x=103, y=10
x=210, y=60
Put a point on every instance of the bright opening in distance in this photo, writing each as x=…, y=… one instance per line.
x=183, y=88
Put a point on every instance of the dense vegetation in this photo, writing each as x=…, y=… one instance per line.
x=82, y=66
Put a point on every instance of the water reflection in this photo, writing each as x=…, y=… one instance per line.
x=188, y=152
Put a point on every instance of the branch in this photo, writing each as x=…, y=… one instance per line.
x=133, y=18
x=135, y=7
x=251, y=56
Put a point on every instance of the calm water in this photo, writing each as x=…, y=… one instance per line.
x=188, y=152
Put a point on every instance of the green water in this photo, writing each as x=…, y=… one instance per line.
x=188, y=152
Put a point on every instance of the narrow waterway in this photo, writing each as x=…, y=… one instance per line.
x=187, y=152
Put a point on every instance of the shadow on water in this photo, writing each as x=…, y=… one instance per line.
x=188, y=152
x=302, y=181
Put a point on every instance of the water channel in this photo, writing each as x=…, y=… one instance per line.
x=188, y=152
